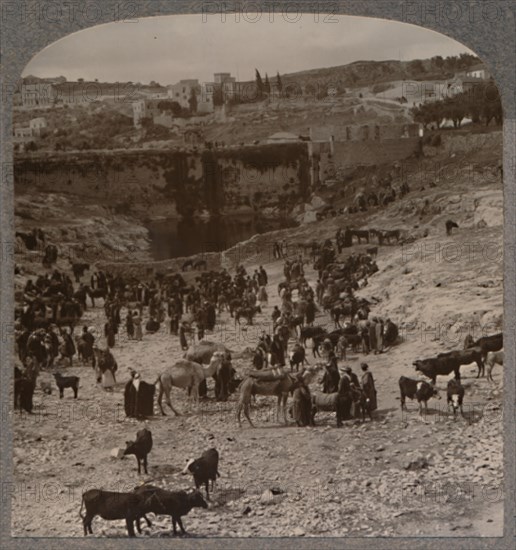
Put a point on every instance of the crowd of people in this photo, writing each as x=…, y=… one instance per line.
x=52, y=306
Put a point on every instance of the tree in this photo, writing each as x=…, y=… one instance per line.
x=192, y=100
x=416, y=67
x=279, y=84
x=170, y=106
x=428, y=113
x=267, y=85
x=438, y=61
x=455, y=110
x=259, y=84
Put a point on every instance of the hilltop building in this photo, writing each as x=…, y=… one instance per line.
x=334, y=150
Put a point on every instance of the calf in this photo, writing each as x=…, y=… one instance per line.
x=204, y=469
x=111, y=505
x=455, y=396
x=297, y=357
x=66, y=382
x=419, y=390
x=140, y=448
x=174, y=504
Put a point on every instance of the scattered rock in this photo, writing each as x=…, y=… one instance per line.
x=117, y=452
x=418, y=463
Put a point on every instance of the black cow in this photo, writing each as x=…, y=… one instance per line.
x=140, y=448
x=465, y=357
x=414, y=389
x=171, y=503
x=455, y=396
x=310, y=332
x=438, y=366
x=111, y=505
x=204, y=469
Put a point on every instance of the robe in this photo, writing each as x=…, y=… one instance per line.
x=369, y=389
x=139, y=402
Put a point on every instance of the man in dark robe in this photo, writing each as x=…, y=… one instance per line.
x=390, y=333
x=368, y=386
x=138, y=397
x=331, y=375
x=183, y=329
x=109, y=333
x=344, y=399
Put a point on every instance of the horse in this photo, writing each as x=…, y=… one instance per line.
x=248, y=313
x=96, y=293
x=360, y=234
x=391, y=234
x=272, y=382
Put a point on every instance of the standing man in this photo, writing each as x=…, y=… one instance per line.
x=368, y=386
x=372, y=335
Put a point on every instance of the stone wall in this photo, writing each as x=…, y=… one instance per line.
x=335, y=159
x=171, y=183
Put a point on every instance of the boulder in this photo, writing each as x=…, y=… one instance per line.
x=117, y=452
x=309, y=217
x=317, y=202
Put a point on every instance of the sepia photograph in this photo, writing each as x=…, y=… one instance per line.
x=258, y=282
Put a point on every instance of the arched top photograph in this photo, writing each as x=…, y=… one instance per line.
x=258, y=281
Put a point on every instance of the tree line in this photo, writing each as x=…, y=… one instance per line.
x=480, y=102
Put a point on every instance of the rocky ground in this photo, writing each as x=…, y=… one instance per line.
x=400, y=474
x=81, y=229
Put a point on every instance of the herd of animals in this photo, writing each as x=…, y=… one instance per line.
x=54, y=301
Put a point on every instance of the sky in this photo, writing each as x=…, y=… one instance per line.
x=167, y=49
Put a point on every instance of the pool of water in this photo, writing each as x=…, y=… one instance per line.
x=173, y=238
